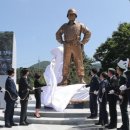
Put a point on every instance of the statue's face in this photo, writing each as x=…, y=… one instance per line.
x=72, y=17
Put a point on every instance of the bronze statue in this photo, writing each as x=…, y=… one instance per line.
x=69, y=35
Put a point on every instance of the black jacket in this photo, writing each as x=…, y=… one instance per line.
x=24, y=88
x=127, y=73
x=94, y=83
x=38, y=86
x=11, y=88
x=114, y=85
x=122, y=81
x=104, y=84
x=128, y=82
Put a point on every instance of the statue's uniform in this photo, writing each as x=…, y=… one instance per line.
x=70, y=36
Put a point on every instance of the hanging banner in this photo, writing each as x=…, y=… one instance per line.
x=6, y=51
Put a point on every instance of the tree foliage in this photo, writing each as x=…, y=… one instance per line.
x=36, y=68
x=115, y=48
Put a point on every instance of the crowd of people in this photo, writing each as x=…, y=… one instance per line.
x=12, y=95
x=111, y=87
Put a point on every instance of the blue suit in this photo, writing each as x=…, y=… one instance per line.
x=10, y=100
x=94, y=86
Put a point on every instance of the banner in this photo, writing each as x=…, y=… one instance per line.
x=6, y=51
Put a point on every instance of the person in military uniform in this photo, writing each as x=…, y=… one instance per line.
x=69, y=34
x=10, y=97
x=24, y=89
x=93, y=92
x=121, y=67
x=127, y=73
x=112, y=98
x=102, y=98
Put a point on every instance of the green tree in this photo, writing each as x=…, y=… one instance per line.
x=115, y=48
x=36, y=68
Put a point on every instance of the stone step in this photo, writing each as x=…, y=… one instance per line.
x=50, y=116
x=68, y=117
x=59, y=121
x=68, y=113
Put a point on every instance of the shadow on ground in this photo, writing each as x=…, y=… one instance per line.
x=86, y=127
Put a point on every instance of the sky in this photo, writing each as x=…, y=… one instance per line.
x=35, y=23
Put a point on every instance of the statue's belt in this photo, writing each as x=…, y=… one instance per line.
x=72, y=42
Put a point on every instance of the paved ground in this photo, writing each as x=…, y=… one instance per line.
x=54, y=127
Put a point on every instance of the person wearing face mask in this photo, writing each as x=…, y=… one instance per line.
x=69, y=34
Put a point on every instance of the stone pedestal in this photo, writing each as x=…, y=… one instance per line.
x=78, y=105
x=7, y=59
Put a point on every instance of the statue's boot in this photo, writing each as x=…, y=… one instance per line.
x=81, y=80
x=63, y=82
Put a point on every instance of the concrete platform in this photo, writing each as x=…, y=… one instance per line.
x=51, y=117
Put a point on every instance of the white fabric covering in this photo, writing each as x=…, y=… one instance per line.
x=59, y=97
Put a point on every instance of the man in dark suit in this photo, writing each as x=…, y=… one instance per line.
x=10, y=98
x=94, y=87
x=24, y=88
x=112, y=99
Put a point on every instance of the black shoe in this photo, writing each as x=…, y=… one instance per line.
x=28, y=123
x=1, y=126
x=23, y=123
x=112, y=127
x=93, y=117
x=104, y=124
x=122, y=128
x=90, y=117
x=98, y=123
x=119, y=129
x=107, y=126
x=8, y=126
x=13, y=124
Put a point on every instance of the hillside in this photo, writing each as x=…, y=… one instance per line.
x=36, y=68
x=41, y=65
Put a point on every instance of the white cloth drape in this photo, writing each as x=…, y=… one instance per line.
x=59, y=97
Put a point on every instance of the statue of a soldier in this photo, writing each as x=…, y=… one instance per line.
x=69, y=35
